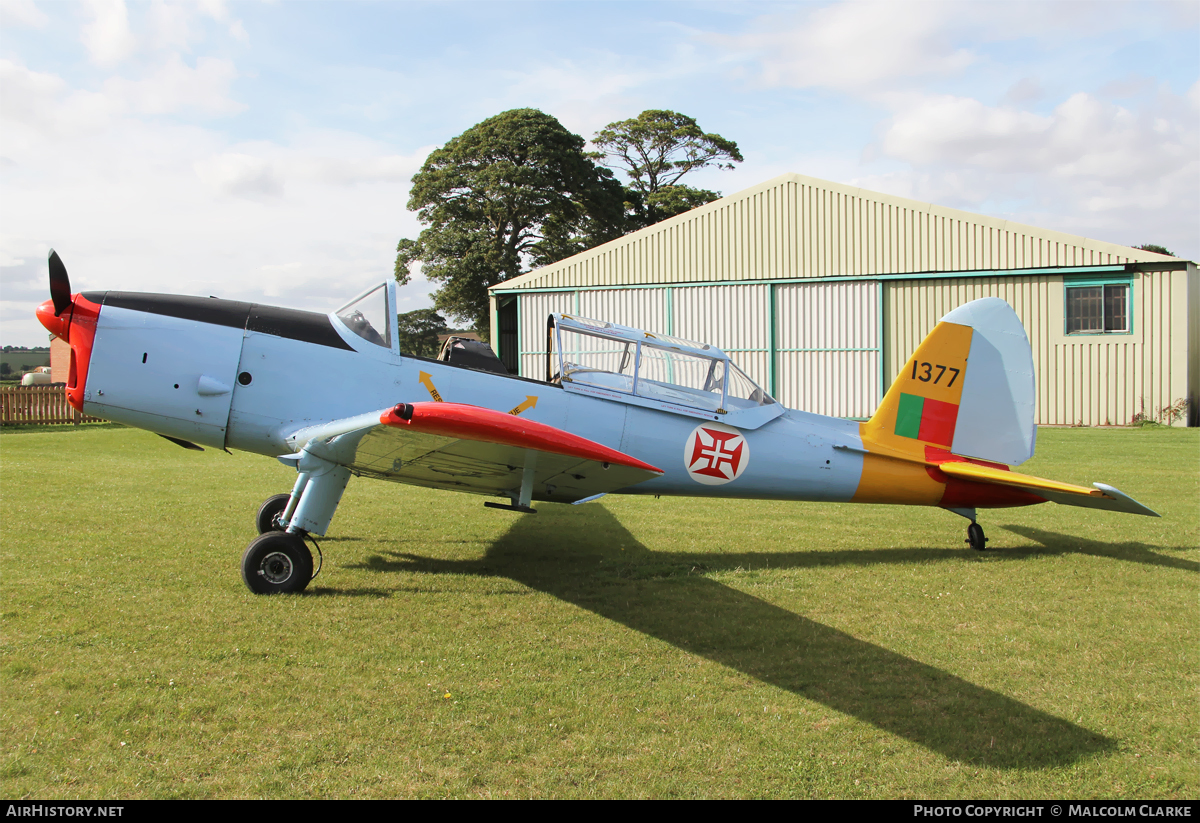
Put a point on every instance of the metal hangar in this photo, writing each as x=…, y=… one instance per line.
x=821, y=291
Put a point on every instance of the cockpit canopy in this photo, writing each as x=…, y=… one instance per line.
x=655, y=367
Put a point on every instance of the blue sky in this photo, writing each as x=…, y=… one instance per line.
x=263, y=150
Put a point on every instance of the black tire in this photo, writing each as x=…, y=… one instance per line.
x=267, y=519
x=277, y=563
x=975, y=537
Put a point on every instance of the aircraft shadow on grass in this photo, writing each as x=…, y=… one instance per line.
x=586, y=557
x=1055, y=543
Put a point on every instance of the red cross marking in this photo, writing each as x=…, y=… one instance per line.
x=711, y=458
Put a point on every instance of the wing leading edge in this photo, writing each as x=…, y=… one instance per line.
x=471, y=449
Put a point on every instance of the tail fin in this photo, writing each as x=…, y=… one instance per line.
x=968, y=389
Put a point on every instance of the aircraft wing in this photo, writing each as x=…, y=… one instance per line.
x=1101, y=497
x=472, y=449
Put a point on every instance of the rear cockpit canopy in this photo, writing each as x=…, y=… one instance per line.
x=655, y=367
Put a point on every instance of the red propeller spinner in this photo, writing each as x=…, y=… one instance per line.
x=71, y=317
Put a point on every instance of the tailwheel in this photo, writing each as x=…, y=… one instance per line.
x=975, y=537
x=267, y=519
x=277, y=563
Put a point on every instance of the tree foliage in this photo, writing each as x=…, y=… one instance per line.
x=1156, y=249
x=513, y=192
x=655, y=150
x=419, y=332
x=672, y=200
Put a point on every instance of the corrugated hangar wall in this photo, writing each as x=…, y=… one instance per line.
x=820, y=292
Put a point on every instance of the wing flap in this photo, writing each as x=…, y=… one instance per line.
x=1101, y=497
x=472, y=449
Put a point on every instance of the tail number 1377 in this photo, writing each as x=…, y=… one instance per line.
x=933, y=371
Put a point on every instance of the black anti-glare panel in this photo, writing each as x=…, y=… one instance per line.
x=307, y=326
x=297, y=325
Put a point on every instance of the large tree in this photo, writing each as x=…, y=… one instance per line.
x=656, y=149
x=419, y=332
x=513, y=192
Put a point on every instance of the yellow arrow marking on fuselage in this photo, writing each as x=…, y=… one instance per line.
x=427, y=381
x=530, y=402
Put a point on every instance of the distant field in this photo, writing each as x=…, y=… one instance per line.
x=23, y=361
x=627, y=648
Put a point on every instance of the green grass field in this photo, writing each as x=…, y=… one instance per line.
x=627, y=648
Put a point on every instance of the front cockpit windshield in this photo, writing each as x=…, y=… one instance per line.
x=367, y=316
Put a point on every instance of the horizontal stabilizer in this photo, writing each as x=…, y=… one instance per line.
x=1101, y=497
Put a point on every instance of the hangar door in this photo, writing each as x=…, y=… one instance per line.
x=828, y=347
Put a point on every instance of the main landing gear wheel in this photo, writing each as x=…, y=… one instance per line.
x=975, y=537
x=267, y=519
x=277, y=563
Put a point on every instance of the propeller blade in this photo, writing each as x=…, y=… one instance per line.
x=60, y=284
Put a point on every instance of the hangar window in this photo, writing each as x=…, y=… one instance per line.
x=1098, y=308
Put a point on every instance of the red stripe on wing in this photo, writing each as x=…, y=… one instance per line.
x=464, y=422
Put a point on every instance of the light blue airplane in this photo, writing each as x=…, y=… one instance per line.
x=620, y=410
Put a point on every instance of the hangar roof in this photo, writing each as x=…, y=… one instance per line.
x=796, y=227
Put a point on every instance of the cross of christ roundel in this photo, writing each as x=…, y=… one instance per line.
x=715, y=453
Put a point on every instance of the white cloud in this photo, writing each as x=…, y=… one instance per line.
x=38, y=105
x=853, y=46
x=176, y=26
x=326, y=158
x=1083, y=137
x=1029, y=113
x=240, y=175
x=948, y=130
x=26, y=92
x=22, y=13
x=170, y=26
x=107, y=37
x=174, y=86
x=1089, y=167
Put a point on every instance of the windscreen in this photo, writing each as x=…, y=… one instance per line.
x=367, y=316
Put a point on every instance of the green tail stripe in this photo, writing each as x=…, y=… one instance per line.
x=908, y=416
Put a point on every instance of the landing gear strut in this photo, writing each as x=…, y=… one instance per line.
x=278, y=560
x=976, y=538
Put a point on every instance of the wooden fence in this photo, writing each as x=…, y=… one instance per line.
x=38, y=405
